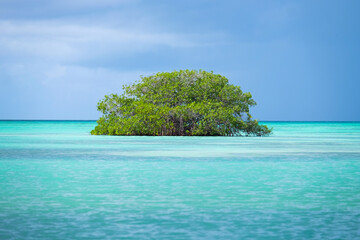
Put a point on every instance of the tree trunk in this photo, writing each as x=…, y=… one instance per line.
x=181, y=127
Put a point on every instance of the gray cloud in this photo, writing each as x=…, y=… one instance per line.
x=58, y=41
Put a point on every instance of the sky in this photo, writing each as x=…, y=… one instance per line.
x=299, y=59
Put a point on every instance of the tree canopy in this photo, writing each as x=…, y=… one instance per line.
x=179, y=103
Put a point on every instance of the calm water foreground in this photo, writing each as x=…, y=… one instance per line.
x=59, y=182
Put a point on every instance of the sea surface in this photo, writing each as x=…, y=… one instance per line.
x=59, y=182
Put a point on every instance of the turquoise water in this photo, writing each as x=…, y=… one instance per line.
x=59, y=182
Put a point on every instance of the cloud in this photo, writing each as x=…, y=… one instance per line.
x=58, y=58
x=60, y=41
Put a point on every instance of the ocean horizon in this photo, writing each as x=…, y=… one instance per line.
x=59, y=182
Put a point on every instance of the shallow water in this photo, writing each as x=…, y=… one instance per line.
x=59, y=182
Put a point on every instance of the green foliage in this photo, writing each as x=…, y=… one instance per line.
x=179, y=103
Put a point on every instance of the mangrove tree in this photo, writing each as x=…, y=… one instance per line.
x=179, y=103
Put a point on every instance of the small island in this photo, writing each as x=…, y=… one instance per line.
x=179, y=103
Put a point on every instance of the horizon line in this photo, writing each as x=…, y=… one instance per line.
x=94, y=120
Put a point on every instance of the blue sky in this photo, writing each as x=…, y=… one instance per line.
x=299, y=59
